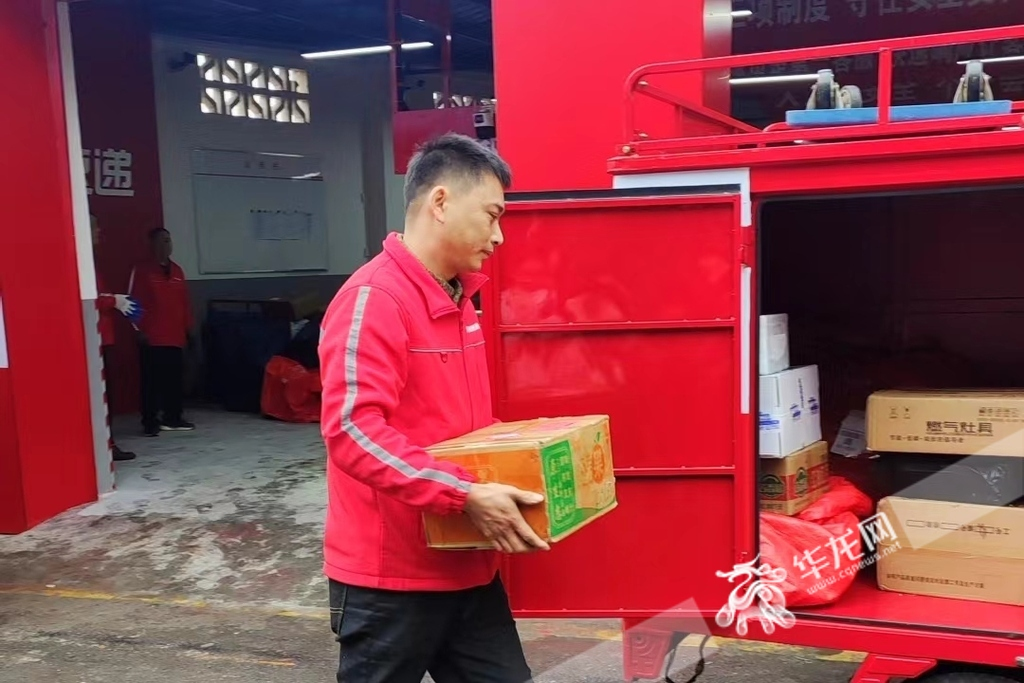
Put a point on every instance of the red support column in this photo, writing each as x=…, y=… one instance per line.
x=46, y=454
x=113, y=58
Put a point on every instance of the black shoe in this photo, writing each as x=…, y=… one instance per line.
x=122, y=456
x=177, y=426
x=151, y=431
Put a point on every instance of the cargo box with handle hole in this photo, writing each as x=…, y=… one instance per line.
x=568, y=460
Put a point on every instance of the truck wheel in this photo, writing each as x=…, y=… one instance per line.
x=967, y=677
x=852, y=95
x=823, y=91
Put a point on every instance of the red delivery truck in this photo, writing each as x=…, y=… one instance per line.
x=872, y=225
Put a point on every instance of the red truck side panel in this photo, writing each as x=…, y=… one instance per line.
x=632, y=307
x=47, y=417
x=12, y=500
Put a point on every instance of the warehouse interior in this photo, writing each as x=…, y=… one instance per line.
x=193, y=87
x=192, y=116
x=188, y=113
x=871, y=303
x=142, y=96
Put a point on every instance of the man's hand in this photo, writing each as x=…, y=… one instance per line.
x=494, y=510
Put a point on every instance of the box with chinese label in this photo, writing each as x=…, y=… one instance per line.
x=953, y=422
x=952, y=550
x=790, y=411
x=568, y=460
x=789, y=485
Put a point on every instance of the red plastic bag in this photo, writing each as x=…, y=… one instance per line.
x=291, y=392
x=820, y=560
x=842, y=497
x=821, y=548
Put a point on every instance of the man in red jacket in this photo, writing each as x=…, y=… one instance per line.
x=109, y=306
x=403, y=367
x=159, y=285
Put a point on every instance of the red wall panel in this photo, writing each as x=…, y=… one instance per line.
x=117, y=114
x=560, y=74
x=47, y=381
x=12, y=500
x=412, y=128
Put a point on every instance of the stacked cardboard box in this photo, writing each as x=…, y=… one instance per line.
x=794, y=459
x=953, y=422
x=788, y=485
x=790, y=411
x=950, y=548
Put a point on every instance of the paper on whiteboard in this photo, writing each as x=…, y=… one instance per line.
x=281, y=225
x=3, y=338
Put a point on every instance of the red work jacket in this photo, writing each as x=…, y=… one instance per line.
x=402, y=368
x=166, y=309
x=107, y=306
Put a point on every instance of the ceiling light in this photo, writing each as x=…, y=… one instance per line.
x=372, y=50
x=993, y=60
x=742, y=13
x=790, y=78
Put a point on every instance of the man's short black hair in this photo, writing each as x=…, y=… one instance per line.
x=156, y=232
x=452, y=154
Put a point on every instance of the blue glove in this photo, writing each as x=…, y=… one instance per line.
x=129, y=307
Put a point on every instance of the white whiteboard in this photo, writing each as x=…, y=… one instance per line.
x=259, y=224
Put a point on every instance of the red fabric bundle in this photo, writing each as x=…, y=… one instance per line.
x=842, y=497
x=291, y=392
x=820, y=549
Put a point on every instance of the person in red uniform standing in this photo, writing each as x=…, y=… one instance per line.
x=403, y=367
x=160, y=286
x=109, y=306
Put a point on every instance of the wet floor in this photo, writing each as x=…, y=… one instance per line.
x=204, y=566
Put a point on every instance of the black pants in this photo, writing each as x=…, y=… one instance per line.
x=162, y=381
x=397, y=637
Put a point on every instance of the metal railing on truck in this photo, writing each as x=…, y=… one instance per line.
x=743, y=135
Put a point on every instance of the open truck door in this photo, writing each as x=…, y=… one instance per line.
x=636, y=303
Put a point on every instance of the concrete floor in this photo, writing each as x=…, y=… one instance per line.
x=204, y=566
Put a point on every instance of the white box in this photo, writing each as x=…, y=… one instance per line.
x=780, y=435
x=790, y=411
x=783, y=434
x=773, y=347
x=792, y=389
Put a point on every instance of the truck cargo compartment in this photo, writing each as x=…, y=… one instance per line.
x=904, y=291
